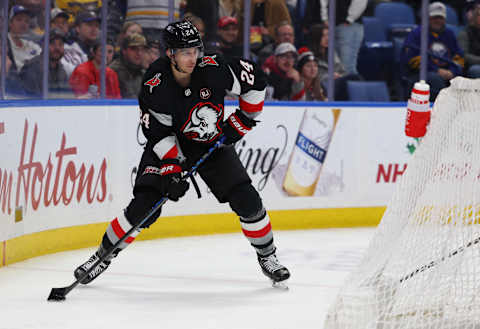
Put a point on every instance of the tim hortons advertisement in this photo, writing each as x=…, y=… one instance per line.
x=73, y=165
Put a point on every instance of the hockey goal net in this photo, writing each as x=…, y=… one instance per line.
x=422, y=267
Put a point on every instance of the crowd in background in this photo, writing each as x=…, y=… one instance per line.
x=288, y=39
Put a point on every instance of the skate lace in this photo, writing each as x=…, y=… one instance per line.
x=271, y=263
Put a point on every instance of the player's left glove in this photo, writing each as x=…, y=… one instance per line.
x=236, y=126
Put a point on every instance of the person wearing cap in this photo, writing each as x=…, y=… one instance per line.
x=59, y=20
x=283, y=32
x=85, y=79
x=153, y=52
x=228, y=36
x=307, y=66
x=32, y=72
x=283, y=76
x=87, y=28
x=469, y=41
x=445, y=57
x=128, y=28
x=129, y=66
x=21, y=49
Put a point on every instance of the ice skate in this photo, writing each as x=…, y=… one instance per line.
x=99, y=269
x=275, y=271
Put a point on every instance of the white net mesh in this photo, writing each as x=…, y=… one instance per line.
x=422, y=268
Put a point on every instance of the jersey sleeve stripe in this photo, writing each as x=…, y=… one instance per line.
x=236, y=89
x=166, y=148
x=164, y=119
x=248, y=107
x=254, y=96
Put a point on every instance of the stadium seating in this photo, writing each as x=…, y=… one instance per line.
x=372, y=91
x=397, y=18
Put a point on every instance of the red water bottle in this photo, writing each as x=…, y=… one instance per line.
x=418, y=110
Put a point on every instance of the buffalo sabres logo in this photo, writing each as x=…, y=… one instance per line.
x=153, y=82
x=203, y=122
x=208, y=60
x=205, y=93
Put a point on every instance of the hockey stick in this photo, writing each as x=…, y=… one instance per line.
x=59, y=294
x=440, y=260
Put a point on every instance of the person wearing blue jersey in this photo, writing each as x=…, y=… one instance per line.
x=445, y=57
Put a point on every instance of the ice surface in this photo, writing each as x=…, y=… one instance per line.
x=195, y=282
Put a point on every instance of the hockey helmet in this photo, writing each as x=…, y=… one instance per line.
x=183, y=34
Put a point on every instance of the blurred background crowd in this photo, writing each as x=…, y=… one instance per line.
x=376, y=58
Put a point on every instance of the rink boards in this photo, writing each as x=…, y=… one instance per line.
x=67, y=169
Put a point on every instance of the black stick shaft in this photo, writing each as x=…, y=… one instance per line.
x=155, y=208
x=433, y=263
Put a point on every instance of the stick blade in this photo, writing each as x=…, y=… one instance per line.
x=57, y=295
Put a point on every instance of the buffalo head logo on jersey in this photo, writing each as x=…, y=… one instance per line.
x=203, y=122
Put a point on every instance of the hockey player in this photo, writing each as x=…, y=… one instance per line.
x=182, y=115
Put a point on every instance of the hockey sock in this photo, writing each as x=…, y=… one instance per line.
x=258, y=231
x=115, y=231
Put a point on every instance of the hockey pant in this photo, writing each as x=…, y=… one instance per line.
x=226, y=178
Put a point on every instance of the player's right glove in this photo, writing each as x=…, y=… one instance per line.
x=236, y=126
x=172, y=185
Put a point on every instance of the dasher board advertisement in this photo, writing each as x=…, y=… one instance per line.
x=73, y=165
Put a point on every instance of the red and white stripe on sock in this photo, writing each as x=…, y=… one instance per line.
x=259, y=232
x=117, y=229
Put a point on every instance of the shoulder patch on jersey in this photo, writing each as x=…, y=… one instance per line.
x=208, y=60
x=153, y=82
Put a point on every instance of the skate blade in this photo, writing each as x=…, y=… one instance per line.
x=282, y=285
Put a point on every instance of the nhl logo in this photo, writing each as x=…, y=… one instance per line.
x=188, y=92
x=205, y=93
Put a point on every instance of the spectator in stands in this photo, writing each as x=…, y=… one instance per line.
x=151, y=15
x=348, y=30
x=469, y=9
x=20, y=49
x=211, y=44
x=283, y=77
x=265, y=16
x=207, y=11
x=129, y=66
x=59, y=20
x=469, y=41
x=85, y=79
x=229, y=8
x=319, y=46
x=152, y=53
x=128, y=28
x=37, y=19
x=87, y=27
x=445, y=58
x=268, y=14
x=307, y=66
x=32, y=72
x=283, y=33
x=228, y=37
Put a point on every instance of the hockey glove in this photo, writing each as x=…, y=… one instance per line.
x=172, y=185
x=236, y=126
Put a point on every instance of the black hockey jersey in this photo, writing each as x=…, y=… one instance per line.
x=195, y=114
